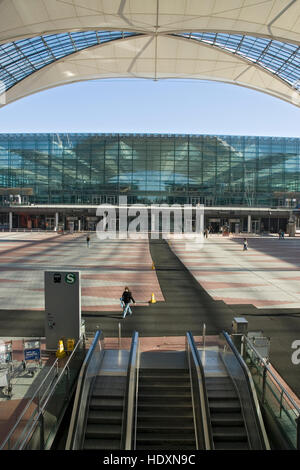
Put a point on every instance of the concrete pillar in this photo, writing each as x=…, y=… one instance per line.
x=56, y=220
x=79, y=224
x=10, y=219
x=249, y=224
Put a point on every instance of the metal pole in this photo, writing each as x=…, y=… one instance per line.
x=242, y=347
x=203, y=335
x=298, y=432
x=119, y=335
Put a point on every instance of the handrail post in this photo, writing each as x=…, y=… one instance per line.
x=243, y=346
x=119, y=335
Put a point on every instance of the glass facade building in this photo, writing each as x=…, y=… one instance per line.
x=215, y=170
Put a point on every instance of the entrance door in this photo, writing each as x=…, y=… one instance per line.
x=50, y=223
x=111, y=199
x=255, y=226
x=214, y=225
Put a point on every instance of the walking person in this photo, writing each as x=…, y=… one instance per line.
x=88, y=241
x=245, y=244
x=125, y=301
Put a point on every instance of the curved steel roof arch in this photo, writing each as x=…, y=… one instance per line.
x=161, y=43
x=22, y=58
x=276, y=19
x=281, y=59
x=255, y=63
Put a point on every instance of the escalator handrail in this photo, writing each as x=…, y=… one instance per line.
x=251, y=387
x=206, y=431
x=129, y=400
x=79, y=391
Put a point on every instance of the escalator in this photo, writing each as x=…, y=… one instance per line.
x=105, y=413
x=100, y=408
x=227, y=422
x=234, y=413
x=193, y=399
x=164, y=409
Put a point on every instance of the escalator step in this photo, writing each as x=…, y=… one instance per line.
x=165, y=441
x=169, y=421
x=231, y=446
x=159, y=380
x=98, y=431
x=102, y=403
x=218, y=382
x=222, y=394
x=107, y=393
x=219, y=386
x=164, y=374
x=164, y=392
x=150, y=413
x=163, y=407
x=105, y=416
x=164, y=400
x=227, y=406
x=226, y=419
x=169, y=446
x=165, y=386
x=164, y=429
x=226, y=433
x=100, y=444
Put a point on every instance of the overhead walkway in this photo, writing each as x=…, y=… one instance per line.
x=197, y=398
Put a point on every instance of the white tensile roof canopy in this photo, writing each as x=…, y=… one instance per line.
x=251, y=43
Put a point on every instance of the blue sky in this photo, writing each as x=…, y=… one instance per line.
x=173, y=106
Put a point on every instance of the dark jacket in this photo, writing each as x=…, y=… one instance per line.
x=127, y=297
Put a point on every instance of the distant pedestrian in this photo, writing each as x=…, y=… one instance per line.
x=88, y=241
x=125, y=301
x=245, y=244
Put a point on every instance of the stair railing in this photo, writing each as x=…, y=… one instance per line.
x=56, y=387
x=273, y=395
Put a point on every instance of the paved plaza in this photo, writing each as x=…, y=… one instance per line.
x=107, y=266
x=266, y=275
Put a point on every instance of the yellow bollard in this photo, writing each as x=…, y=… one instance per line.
x=61, y=350
x=70, y=344
x=152, y=301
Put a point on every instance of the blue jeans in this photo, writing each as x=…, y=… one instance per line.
x=126, y=308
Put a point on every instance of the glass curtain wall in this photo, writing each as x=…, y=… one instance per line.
x=97, y=168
